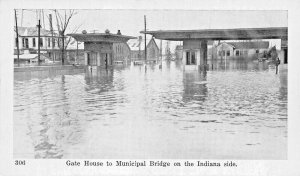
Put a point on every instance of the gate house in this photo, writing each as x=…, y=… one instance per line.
x=98, y=47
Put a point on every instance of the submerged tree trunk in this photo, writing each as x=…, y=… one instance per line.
x=63, y=50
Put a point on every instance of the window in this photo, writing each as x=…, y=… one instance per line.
x=49, y=42
x=257, y=51
x=228, y=52
x=33, y=42
x=23, y=42
x=26, y=43
x=41, y=41
x=53, y=42
x=190, y=58
x=237, y=52
x=193, y=58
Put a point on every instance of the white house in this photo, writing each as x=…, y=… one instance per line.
x=241, y=49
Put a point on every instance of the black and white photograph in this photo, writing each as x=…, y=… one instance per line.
x=170, y=84
x=157, y=87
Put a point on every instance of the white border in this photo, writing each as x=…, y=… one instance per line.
x=58, y=167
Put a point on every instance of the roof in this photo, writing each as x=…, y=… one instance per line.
x=179, y=47
x=100, y=37
x=221, y=34
x=249, y=45
x=135, y=44
x=33, y=31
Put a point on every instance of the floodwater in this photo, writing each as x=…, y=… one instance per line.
x=238, y=111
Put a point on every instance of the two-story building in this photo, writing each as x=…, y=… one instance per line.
x=28, y=43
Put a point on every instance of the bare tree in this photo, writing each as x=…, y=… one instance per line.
x=62, y=22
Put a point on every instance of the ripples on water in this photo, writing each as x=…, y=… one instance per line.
x=237, y=111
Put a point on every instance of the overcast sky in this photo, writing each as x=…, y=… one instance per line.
x=131, y=22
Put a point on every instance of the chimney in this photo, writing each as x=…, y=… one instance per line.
x=119, y=32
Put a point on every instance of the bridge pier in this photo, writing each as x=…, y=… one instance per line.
x=203, y=55
x=195, y=55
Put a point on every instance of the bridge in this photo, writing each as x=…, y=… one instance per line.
x=221, y=34
x=195, y=41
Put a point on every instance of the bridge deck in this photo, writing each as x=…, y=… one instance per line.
x=221, y=34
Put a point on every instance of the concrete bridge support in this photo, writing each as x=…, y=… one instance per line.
x=195, y=55
x=203, y=55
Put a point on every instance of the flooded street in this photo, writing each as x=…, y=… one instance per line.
x=238, y=110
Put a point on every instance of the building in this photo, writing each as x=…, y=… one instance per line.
x=28, y=44
x=137, y=47
x=195, y=45
x=74, y=52
x=121, y=52
x=178, y=51
x=241, y=49
x=99, y=47
x=50, y=45
x=28, y=40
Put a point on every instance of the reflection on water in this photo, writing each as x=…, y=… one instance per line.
x=237, y=110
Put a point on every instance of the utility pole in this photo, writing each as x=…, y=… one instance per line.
x=145, y=39
x=76, y=53
x=39, y=42
x=22, y=19
x=160, y=65
x=51, y=29
x=17, y=41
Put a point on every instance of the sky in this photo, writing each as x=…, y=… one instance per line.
x=131, y=22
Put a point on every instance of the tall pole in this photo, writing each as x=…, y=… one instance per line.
x=22, y=19
x=39, y=42
x=51, y=29
x=145, y=39
x=160, y=51
x=160, y=65
x=76, y=53
x=17, y=41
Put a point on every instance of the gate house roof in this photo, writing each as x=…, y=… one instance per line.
x=101, y=37
x=249, y=45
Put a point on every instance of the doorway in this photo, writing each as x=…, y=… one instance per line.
x=191, y=58
x=285, y=56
